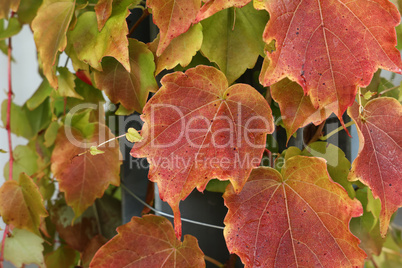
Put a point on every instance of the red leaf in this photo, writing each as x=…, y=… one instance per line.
x=298, y=218
x=197, y=129
x=213, y=6
x=331, y=47
x=84, y=178
x=379, y=162
x=173, y=17
x=148, y=242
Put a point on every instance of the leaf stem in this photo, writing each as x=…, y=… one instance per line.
x=333, y=132
x=103, y=143
x=213, y=261
x=145, y=14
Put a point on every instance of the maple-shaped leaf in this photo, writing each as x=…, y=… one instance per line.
x=233, y=39
x=66, y=84
x=173, y=17
x=149, y=242
x=50, y=27
x=296, y=218
x=6, y=5
x=331, y=47
x=91, y=45
x=23, y=247
x=129, y=88
x=180, y=50
x=197, y=129
x=379, y=162
x=21, y=204
x=213, y=6
x=296, y=108
x=84, y=178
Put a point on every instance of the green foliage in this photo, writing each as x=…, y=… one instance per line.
x=205, y=130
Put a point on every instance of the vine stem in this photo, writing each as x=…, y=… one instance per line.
x=333, y=132
x=145, y=14
x=10, y=146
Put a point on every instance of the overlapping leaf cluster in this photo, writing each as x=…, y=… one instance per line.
x=313, y=58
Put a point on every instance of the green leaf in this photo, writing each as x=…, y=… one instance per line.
x=3, y=151
x=13, y=28
x=24, y=122
x=132, y=135
x=28, y=10
x=216, y=185
x=23, y=247
x=66, y=83
x=94, y=151
x=25, y=160
x=131, y=89
x=81, y=121
x=40, y=95
x=62, y=257
x=367, y=227
x=337, y=163
x=90, y=96
x=50, y=27
x=234, y=42
x=51, y=133
x=91, y=45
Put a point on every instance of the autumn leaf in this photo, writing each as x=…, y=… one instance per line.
x=233, y=39
x=23, y=247
x=91, y=45
x=331, y=47
x=296, y=108
x=50, y=27
x=103, y=10
x=298, y=217
x=379, y=162
x=197, y=129
x=131, y=89
x=84, y=178
x=6, y=5
x=173, y=17
x=149, y=242
x=213, y=6
x=21, y=204
x=181, y=50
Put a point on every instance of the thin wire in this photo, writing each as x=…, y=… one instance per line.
x=169, y=215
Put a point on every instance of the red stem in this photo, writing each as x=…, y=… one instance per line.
x=10, y=147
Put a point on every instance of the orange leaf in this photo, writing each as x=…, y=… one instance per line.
x=296, y=108
x=197, y=129
x=213, y=6
x=103, y=10
x=173, y=17
x=50, y=27
x=331, y=47
x=148, y=242
x=84, y=178
x=379, y=162
x=21, y=204
x=298, y=217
